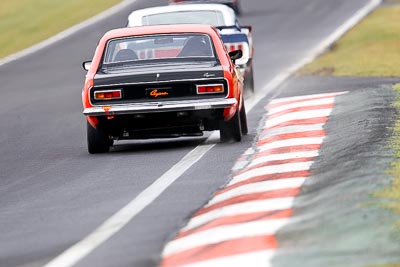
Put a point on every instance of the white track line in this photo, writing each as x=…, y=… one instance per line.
x=240, y=165
x=116, y=222
x=259, y=187
x=241, y=208
x=255, y=259
x=224, y=233
x=249, y=151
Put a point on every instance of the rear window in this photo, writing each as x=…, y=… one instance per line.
x=211, y=17
x=170, y=47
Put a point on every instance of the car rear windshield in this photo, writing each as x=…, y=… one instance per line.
x=154, y=48
x=210, y=17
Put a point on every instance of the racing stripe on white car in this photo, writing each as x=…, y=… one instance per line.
x=237, y=227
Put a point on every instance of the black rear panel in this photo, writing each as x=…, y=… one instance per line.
x=159, y=82
x=161, y=73
x=159, y=92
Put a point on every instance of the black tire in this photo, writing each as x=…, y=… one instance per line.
x=249, y=81
x=97, y=140
x=231, y=130
x=243, y=120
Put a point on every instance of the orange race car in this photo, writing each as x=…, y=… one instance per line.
x=162, y=81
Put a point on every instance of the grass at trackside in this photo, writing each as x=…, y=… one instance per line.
x=390, y=265
x=26, y=22
x=372, y=48
x=392, y=193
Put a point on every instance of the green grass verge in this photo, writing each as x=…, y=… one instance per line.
x=391, y=194
x=26, y=22
x=372, y=48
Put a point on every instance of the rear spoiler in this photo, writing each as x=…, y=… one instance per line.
x=228, y=27
x=239, y=28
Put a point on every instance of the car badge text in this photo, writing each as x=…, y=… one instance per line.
x=208, y=75
x=156, y=93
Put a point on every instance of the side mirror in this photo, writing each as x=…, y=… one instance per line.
x=86, y=65
x=236, y=54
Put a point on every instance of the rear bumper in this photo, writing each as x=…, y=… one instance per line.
x=161, y=106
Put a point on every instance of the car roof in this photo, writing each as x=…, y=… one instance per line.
x=135, y=18
x=160, y=29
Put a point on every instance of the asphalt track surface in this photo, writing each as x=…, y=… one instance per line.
x=53, y=194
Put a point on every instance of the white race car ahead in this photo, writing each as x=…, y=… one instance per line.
x=234, y=36
x=234, y=4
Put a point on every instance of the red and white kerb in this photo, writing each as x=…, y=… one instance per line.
x=238, y=225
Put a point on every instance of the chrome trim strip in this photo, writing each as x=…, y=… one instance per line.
x=161, y=106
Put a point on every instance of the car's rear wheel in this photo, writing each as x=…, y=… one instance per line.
x=243, y=120
x=97, y=140
x=231, y=130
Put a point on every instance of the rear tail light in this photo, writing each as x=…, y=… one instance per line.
x=210, y=89
x=108, y=94
x=231, y=47
x=236, y=46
